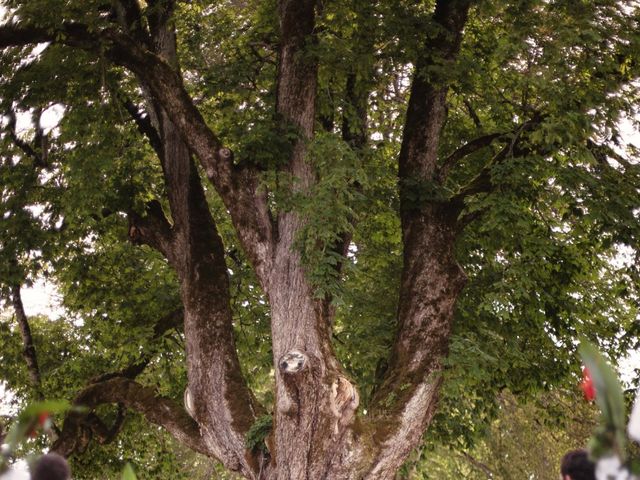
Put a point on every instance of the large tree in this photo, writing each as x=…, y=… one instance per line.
x=368, y=159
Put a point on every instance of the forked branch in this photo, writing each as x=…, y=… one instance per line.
x=236, y=185
x=431, y=279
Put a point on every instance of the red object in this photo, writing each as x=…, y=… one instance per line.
x=42, y=418
x=587, y=385
x=42, y=422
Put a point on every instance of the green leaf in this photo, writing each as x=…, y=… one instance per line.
x=609, y=397
x=255, y=437
x=128, y=473
x=28, y=419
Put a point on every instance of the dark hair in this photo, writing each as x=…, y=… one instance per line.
x=51, y=467
x=577, y=465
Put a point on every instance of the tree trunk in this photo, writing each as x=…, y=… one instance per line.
x=316, y=433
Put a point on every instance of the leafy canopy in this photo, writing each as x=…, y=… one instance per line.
x=542, y=255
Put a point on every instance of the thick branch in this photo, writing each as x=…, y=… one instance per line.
x=431, y=279
x=28, y=348
x=426, y=111
x=12, y=35
x=220, y=400
x=297, y=81
x=297, y=72
x=129, y=16
x=158, y=410
x=236, y=185
x=153, y=229
x=101, y=432
x=81, y=429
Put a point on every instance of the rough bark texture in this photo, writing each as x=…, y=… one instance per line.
x=222, y=403
x=431, y=279
x=316, y=434
x=306, y=425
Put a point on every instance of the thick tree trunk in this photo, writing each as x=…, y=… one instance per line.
x=314, y=400
x=217, y=395
x=315, y=434
x=406, y=401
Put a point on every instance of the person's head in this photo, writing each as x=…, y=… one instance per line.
x=577, y=466
x=51, y=467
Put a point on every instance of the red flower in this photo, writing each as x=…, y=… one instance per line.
x=587, y=385
x=42, y=421
x=42, y=418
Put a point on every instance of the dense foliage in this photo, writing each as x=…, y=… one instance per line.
x=550, y=233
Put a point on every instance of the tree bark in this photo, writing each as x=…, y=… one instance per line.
x=28, y=347
x=77, y=429
x=222, y=404
x=431, y=279
x=315, y=433
x=311, y=413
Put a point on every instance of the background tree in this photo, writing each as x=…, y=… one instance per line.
x=364, y=161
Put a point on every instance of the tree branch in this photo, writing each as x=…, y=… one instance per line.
x=12, y=35
x=467, y=149
x=468, y=218
x=472, y=113
x=235, y=184
x=143, y=122
x=129, y=16
x=431, y=279
x=220, y=400
x=153, y=229
x=477, y=464
x=39, y=157
x=482, y=181
x=602, y=152
x=77, y=429
x=28, y=348
x=81, y=429
x=426, y=111
x=174, y=319
x=297, y=83
x=100, y=432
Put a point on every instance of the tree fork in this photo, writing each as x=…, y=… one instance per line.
x=220, y=402
x=431, y=279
